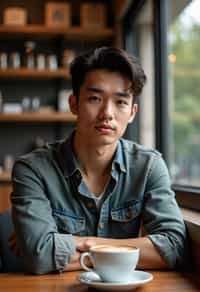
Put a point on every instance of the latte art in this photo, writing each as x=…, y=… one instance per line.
x=112, y=248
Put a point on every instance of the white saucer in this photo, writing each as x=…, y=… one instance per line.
x=93, y=280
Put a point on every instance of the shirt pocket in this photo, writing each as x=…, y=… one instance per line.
x=69, y=223
x=126, y=220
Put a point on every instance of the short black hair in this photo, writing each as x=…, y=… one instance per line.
x=111, y=59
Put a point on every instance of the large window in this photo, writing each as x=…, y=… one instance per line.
x=184, y=91
x=167, y=37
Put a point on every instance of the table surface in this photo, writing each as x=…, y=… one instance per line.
x=164, y=281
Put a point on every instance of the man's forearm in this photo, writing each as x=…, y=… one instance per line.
x=149, y=256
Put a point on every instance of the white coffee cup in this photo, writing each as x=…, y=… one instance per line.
x=111, y=262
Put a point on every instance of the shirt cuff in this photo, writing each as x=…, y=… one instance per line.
x=64, y=250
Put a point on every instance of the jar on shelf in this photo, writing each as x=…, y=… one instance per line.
x=35, y=103
x=52, y=62
x=41, y=61
x=29, y=56
x=3, y=60
x=15, y=60
x=26, y=104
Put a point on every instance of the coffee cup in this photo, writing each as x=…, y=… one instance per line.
x=112, y=263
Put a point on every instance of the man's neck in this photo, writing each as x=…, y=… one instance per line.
x=94, y=158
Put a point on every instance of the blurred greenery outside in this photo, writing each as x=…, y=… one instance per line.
x=184, y=98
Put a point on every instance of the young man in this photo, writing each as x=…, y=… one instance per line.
x=95, y=187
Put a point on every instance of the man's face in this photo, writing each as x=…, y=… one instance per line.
x=104, y=107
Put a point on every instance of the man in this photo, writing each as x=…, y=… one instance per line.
x=95, y=187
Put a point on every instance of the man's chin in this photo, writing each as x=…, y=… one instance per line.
x=105, y=140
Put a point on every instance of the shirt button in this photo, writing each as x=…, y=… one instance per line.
x=90, y=204
x=101, y=225
x=129, y=215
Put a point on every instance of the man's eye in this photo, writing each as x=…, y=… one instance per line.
x=94, y=98
x=122, y=102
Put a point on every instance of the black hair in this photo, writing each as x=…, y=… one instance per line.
x=111, y=59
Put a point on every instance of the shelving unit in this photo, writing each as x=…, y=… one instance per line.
x=38, y=117
x=24, y=73
x=45, y=32
x=18, y=132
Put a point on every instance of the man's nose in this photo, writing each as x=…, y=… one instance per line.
x=106, y=111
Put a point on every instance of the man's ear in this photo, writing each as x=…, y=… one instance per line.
x=73, y=104
x=133, y=112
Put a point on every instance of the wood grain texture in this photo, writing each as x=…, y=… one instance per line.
x=45, y=32
x=163, y=281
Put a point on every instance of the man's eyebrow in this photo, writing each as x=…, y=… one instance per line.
x=126, y=93
x=123, y=94
x=95, y=89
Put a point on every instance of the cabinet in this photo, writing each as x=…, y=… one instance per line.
x=18, y=131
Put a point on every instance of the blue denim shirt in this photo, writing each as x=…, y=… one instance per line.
x=51, y=203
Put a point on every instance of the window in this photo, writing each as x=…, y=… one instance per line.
x=183, y=38
x=166, y=35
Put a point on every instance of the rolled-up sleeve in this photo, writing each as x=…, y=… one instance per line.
x=162, y=217
x=44, y=249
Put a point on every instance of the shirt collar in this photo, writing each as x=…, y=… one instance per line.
x=69, y=163
x=119, y=158
x=66, y=157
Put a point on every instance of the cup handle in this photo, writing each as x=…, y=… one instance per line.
x=83, y=265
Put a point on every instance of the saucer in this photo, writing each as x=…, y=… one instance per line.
x=91, y=279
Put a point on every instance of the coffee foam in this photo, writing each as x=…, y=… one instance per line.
x=112, y=248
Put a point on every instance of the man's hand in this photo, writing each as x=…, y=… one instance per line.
x=74, y=263
x=83, y=244
x=12, y=242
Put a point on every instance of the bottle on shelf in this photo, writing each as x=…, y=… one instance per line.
x=26, y=104
x=40, y=61
x=29, y=57
x=3, y=60
x=14, y=60
x=35, y=104
x=52, y=62
x=1, y=102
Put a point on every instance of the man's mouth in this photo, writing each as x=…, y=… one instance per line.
x=105, y=128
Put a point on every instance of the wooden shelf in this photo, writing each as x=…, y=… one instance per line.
x=77, y=33
x=5, y=176
x=34, y=73
x=38, y=117
x=73, y=33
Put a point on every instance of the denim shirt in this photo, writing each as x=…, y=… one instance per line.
x=51, y=203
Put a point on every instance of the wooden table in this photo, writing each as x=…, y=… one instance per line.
x=163, y=281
